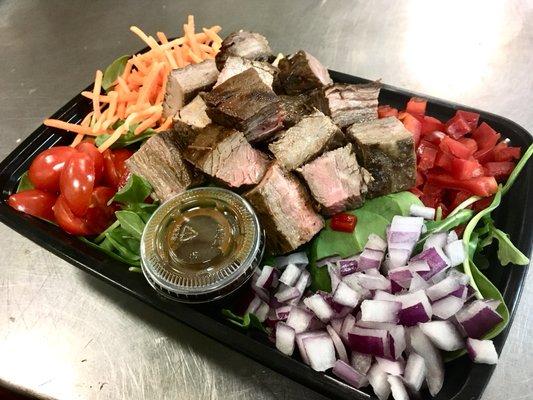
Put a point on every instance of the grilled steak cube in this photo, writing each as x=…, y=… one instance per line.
x=225, y=154
x=348, y=103
x=236, y=65
x=246, y=103
x=160, y=162
x=336, y=180
x=284, y=210
x=306, y=140
x=249, y=45
x=386, y=149
x=184, y=84
x=301, y=72
x=296, y=107
x=194, y=113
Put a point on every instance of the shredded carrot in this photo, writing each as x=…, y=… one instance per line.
x=113, y=138
x=179, y=57
x=147, y=123
x=69, y=127
x=165, y=125
x=149, y=83
x=96, y=92
x=194, y=57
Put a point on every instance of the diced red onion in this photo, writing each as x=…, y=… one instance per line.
x=421, y=211
x=435, y=240
x=361, y=362
x=347, y=325
x=397, y=258
x=378, y=380
x=334, y=275
x=391, y=367
x=436, y=259
x=316, y=325
x=320, y=352
x=268, y=277
x=395, y=288
x=254, y=305
x=299, y=259
x=397, y=388
x=299, y=319
x=349, y=374
x=319, y=306
x=452, y=236
x=262, y=311
x=492, y=303
x=287, y=293
x=415, y=308
x=373, y=282
x=382, y=295
x=432, y=358
x=290, y=275
x=402, y=276
x=337, y=342
x=380, y=310
x=283, y=312
x=398, y=341
x=375, y=242
x=370, y=258
x=327, y=260
x=417, y=283
x=455, y=251
x=353, y=282
x=348, y=266
x=478, y=318
x=263, y=294
x=444, y=288
x=345, y=295
x=461, y=292
x=370, y=341
x=415, y=371
x=299, y=341
x=447, y=307
x=285, y=336
x=481, y=351
x=418, y=266
x=405, y=229
x=336, y=324
x=443, y=334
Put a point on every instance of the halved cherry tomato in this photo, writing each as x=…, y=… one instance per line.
x=77, y=182
x=466, y=169
x=457, y=127
x=387, y=111
x=343, y=222
x=481, y=186
x=92, y=151
x=414, y=126
x=416, y=106
x=470, y=117
x=430, y=124
x=485, y=136
x=66, y=219
x=499, y=170
x=99, y=214
x=34, y=202
x=115, y=170
x=46, y=168
x=455, y=148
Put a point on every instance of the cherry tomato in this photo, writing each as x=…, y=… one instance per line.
x=115, y=170
x=46, y=169
x=67, y=220
x=77, y=182
x=34, y=202
x=98, y=159
x=100, y=215
x=343, y=222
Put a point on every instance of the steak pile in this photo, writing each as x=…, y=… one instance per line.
x=299, y=146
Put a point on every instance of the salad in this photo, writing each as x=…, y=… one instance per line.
x=376, y=219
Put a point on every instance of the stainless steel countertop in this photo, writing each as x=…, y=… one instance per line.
x=65, y=334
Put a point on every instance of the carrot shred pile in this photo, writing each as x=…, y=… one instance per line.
x=138, y=93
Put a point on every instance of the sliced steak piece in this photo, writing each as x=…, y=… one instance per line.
x=386, y=149
x=306, y=140
x=348, y=103
x=336, y=180
x=296, y=107
x=226, y=155
x=194, y=113
x=301, y=72
x=284, y=209
x=160, y=162
x=236, y=65
x=246, y=103
x=184, y=84
x=249, y=45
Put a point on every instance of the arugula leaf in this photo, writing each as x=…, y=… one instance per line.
x=135, y=190
x=247, y=321
x=131, y=223
x=448, y=223
x=24, y=183
x=113, y=71
x=507, y=251
x=107, y=248
x=127, y=139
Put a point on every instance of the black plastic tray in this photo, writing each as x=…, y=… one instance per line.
x=464, y=380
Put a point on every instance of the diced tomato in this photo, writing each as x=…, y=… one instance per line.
x=432, y=195
x=444, y=161
x=482, y=204
x=458, y=198
x=430, y=124
x=419, y=179
x=416, y=191
x=343, y=222
x=471, y=118
x=416, y=106
x=34, y=202
x=481, y=186
x=457, y=127
x=455, y=148
x=435, y=137
x=505, y=153
x=466, y=169
x=499, y=170
x=470, y=143
x=414, y=126
x=460, y=229
x=484, y=155
x=426, y=156
x=485, y=136
x=387, y=111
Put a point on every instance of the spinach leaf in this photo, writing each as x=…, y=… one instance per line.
x=113, y=71
x=127, y=139
x=135, y=190
x=247, y=321
x=143, y=210
x=131, y=223
x=126, y=245
x=24, y=183
x=107, y=248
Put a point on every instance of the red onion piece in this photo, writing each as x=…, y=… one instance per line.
x=378, y=380
x=262, y=311
x=481, y=351
x=290, y=275
x=361, y=362
x=443, y=334
x=478, y=318
x=320, y=352
x=336, y=324
x=455, y=251
x=375, y=242
x=348, y=266
x=285, y=336
x=420, y=211
x=348, y=374
x=391, y=367
x=283, y=312
x=436, y=259
x=397, y=388
x=337, y=342
x=369, y=259
x=345, y=295
x=299, y=259
x=447, y=307
x=415, y=371
x=334, y=275
x=299, y=319
x=415, y=308
x=380, y=311
x=319, y=306
x=370, y=341
x=327, y=260
x=417, y=283
x=432, y=357
x=268, y=278
x=347, y=325
x=287, y=293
